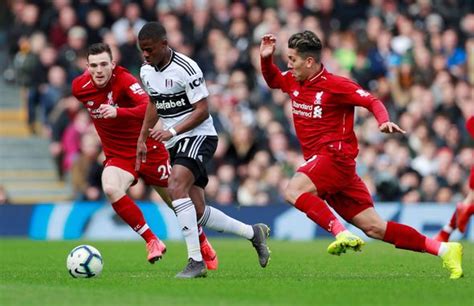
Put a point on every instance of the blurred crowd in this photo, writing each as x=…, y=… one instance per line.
x=417, y=56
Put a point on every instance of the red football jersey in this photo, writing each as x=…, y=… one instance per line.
x=323, y=109
x=118, y=135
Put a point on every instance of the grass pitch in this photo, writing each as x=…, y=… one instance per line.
x=300, y=273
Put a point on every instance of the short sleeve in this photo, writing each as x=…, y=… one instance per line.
x=195, y=86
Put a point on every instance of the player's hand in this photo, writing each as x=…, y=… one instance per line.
x=141, y=154
x=267, y=46
x=390, y=127
x=107, y=111
x=160, y=134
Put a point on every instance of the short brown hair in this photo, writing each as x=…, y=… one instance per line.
x=307, y=44
x=99, y=48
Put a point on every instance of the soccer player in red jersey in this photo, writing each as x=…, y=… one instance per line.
x=465, y=209
x=117, y=103
x=323, y=112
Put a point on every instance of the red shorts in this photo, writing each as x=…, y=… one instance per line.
x=155, y=171
x=338, y=183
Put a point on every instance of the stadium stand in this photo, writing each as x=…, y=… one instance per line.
x=416, y=56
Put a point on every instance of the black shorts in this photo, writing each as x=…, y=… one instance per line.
x=194, y=153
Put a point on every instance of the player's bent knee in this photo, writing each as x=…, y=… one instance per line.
x=374, y=231
x=291, y=195
x=177, y=192
x=112, y=192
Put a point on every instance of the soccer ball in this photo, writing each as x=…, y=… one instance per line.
x=84, y=261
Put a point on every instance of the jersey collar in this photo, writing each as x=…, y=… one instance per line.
x=318, y=76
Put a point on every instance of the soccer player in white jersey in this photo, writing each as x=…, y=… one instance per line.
x=178, y=95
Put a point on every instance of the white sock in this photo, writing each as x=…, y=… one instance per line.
x=186, y=214
x=217, y=220
x=443, y=249
x=448, y=229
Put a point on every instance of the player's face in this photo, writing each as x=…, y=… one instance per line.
x=100, y=66
x=154, y=52
x=297, y=65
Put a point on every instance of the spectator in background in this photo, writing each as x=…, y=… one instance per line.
x=131, y=19
x=45, y=59
x=51, y=92
x=95, y=26
x=58, y=33
x=131, y=59
x=50, y=14
x=87, y=169
x=24, y=25
x=71, y=139
x=75, y=46
x=60, y=118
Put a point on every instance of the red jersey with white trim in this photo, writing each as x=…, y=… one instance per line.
x=323, y=109
x=118, y=135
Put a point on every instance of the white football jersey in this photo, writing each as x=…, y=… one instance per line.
x=173, y=89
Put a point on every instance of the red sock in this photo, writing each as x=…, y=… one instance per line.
x=406, y=237
x=452, y=221
x=432, y=246
x=319, y=212
x=133, y=216
x=202, y=236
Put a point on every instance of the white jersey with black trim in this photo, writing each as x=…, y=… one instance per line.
x=173, y=89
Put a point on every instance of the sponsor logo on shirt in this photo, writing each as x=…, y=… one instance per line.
x=137, y=89
x=308, y=110
x=164, y=105
x=172, y=105
x=362, y=93
x=318, y=112
x=197, y=82
x=303, y=110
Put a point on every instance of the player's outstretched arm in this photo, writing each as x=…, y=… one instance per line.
x=272, y=75
x=390, y=127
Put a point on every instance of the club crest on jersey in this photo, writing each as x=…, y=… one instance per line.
x=318, y=112
x=168, y=83
x=110, y=98
x=318, y=97
x=151, y=91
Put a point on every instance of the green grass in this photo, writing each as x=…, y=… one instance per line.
x=300, y=273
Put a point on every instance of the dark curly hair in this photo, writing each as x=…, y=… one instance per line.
x=307, y=44
x=152, y=30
